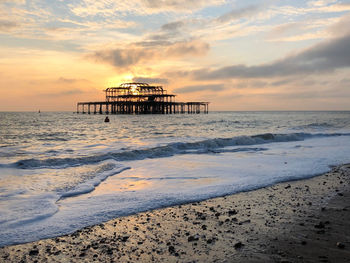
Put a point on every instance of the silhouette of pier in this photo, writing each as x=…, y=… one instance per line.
x=140, y=98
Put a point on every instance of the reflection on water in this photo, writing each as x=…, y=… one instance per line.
x=125, y=184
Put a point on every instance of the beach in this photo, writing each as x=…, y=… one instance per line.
x=300, y=221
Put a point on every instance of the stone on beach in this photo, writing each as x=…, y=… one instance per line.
x=288, y=222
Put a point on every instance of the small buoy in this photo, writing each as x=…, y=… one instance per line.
x=106, y=119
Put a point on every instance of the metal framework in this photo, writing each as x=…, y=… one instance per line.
x=141, y=98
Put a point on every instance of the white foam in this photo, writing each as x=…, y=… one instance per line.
x=25, y=206
x=152, y=183
x=90, y=185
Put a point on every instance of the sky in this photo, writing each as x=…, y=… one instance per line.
x=238, y=55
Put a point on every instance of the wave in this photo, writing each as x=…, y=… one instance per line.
x=221, y=121
x=91, y=184
x=32, y=208
x=319, y=126
x=216, y=145
x=39, y=206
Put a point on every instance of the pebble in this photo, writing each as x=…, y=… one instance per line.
x=238, y=245
x=193, y=238
x=232, y=212
x=34, y=252
x=171, y=249
x=340, y=245
x=320, y=225
x=124, y=238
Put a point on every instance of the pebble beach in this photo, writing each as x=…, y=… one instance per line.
x=298, y=221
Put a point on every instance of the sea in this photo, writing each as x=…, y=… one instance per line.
x=61, y=171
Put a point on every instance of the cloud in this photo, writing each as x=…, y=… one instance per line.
x=123, y=57
x=70, y=80
x=173, y=26
x=217, y=28
x=345, y=81
x=239, y=13
x=13, y=1
x=150, y=80
x=6, y=25
x=180, y=5
x=282, y=82
x=342, y=27
x=319, y=3
x=185, y=48
x=176, y=31
x=324, y=57
x=136, y=54
x=301, y=37
x=316, y=28
x=282, y=29
x=62, y=93
x=210, y=87
x=338, y=7
x=153, y=43
x=108, y=8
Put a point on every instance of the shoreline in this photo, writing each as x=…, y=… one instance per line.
x=305, y=220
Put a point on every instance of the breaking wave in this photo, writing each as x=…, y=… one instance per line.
x=216, y=145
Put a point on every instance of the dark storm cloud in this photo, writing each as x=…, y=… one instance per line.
x=189, y=89
x=324, y=57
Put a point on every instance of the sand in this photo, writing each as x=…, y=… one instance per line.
x=299, y=221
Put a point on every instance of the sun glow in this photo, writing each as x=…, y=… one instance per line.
x=134, y=90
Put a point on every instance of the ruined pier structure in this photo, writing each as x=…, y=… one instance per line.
x=140, y=98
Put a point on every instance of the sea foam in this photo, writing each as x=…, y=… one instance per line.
x=204, y=146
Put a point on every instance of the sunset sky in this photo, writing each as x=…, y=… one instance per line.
x=239, y=55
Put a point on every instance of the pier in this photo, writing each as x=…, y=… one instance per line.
x=140, y=98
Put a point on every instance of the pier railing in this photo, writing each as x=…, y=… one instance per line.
x=142, y=107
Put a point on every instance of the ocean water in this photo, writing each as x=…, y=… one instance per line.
x=61, y=171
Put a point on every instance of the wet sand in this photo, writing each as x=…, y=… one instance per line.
x=299, y=221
